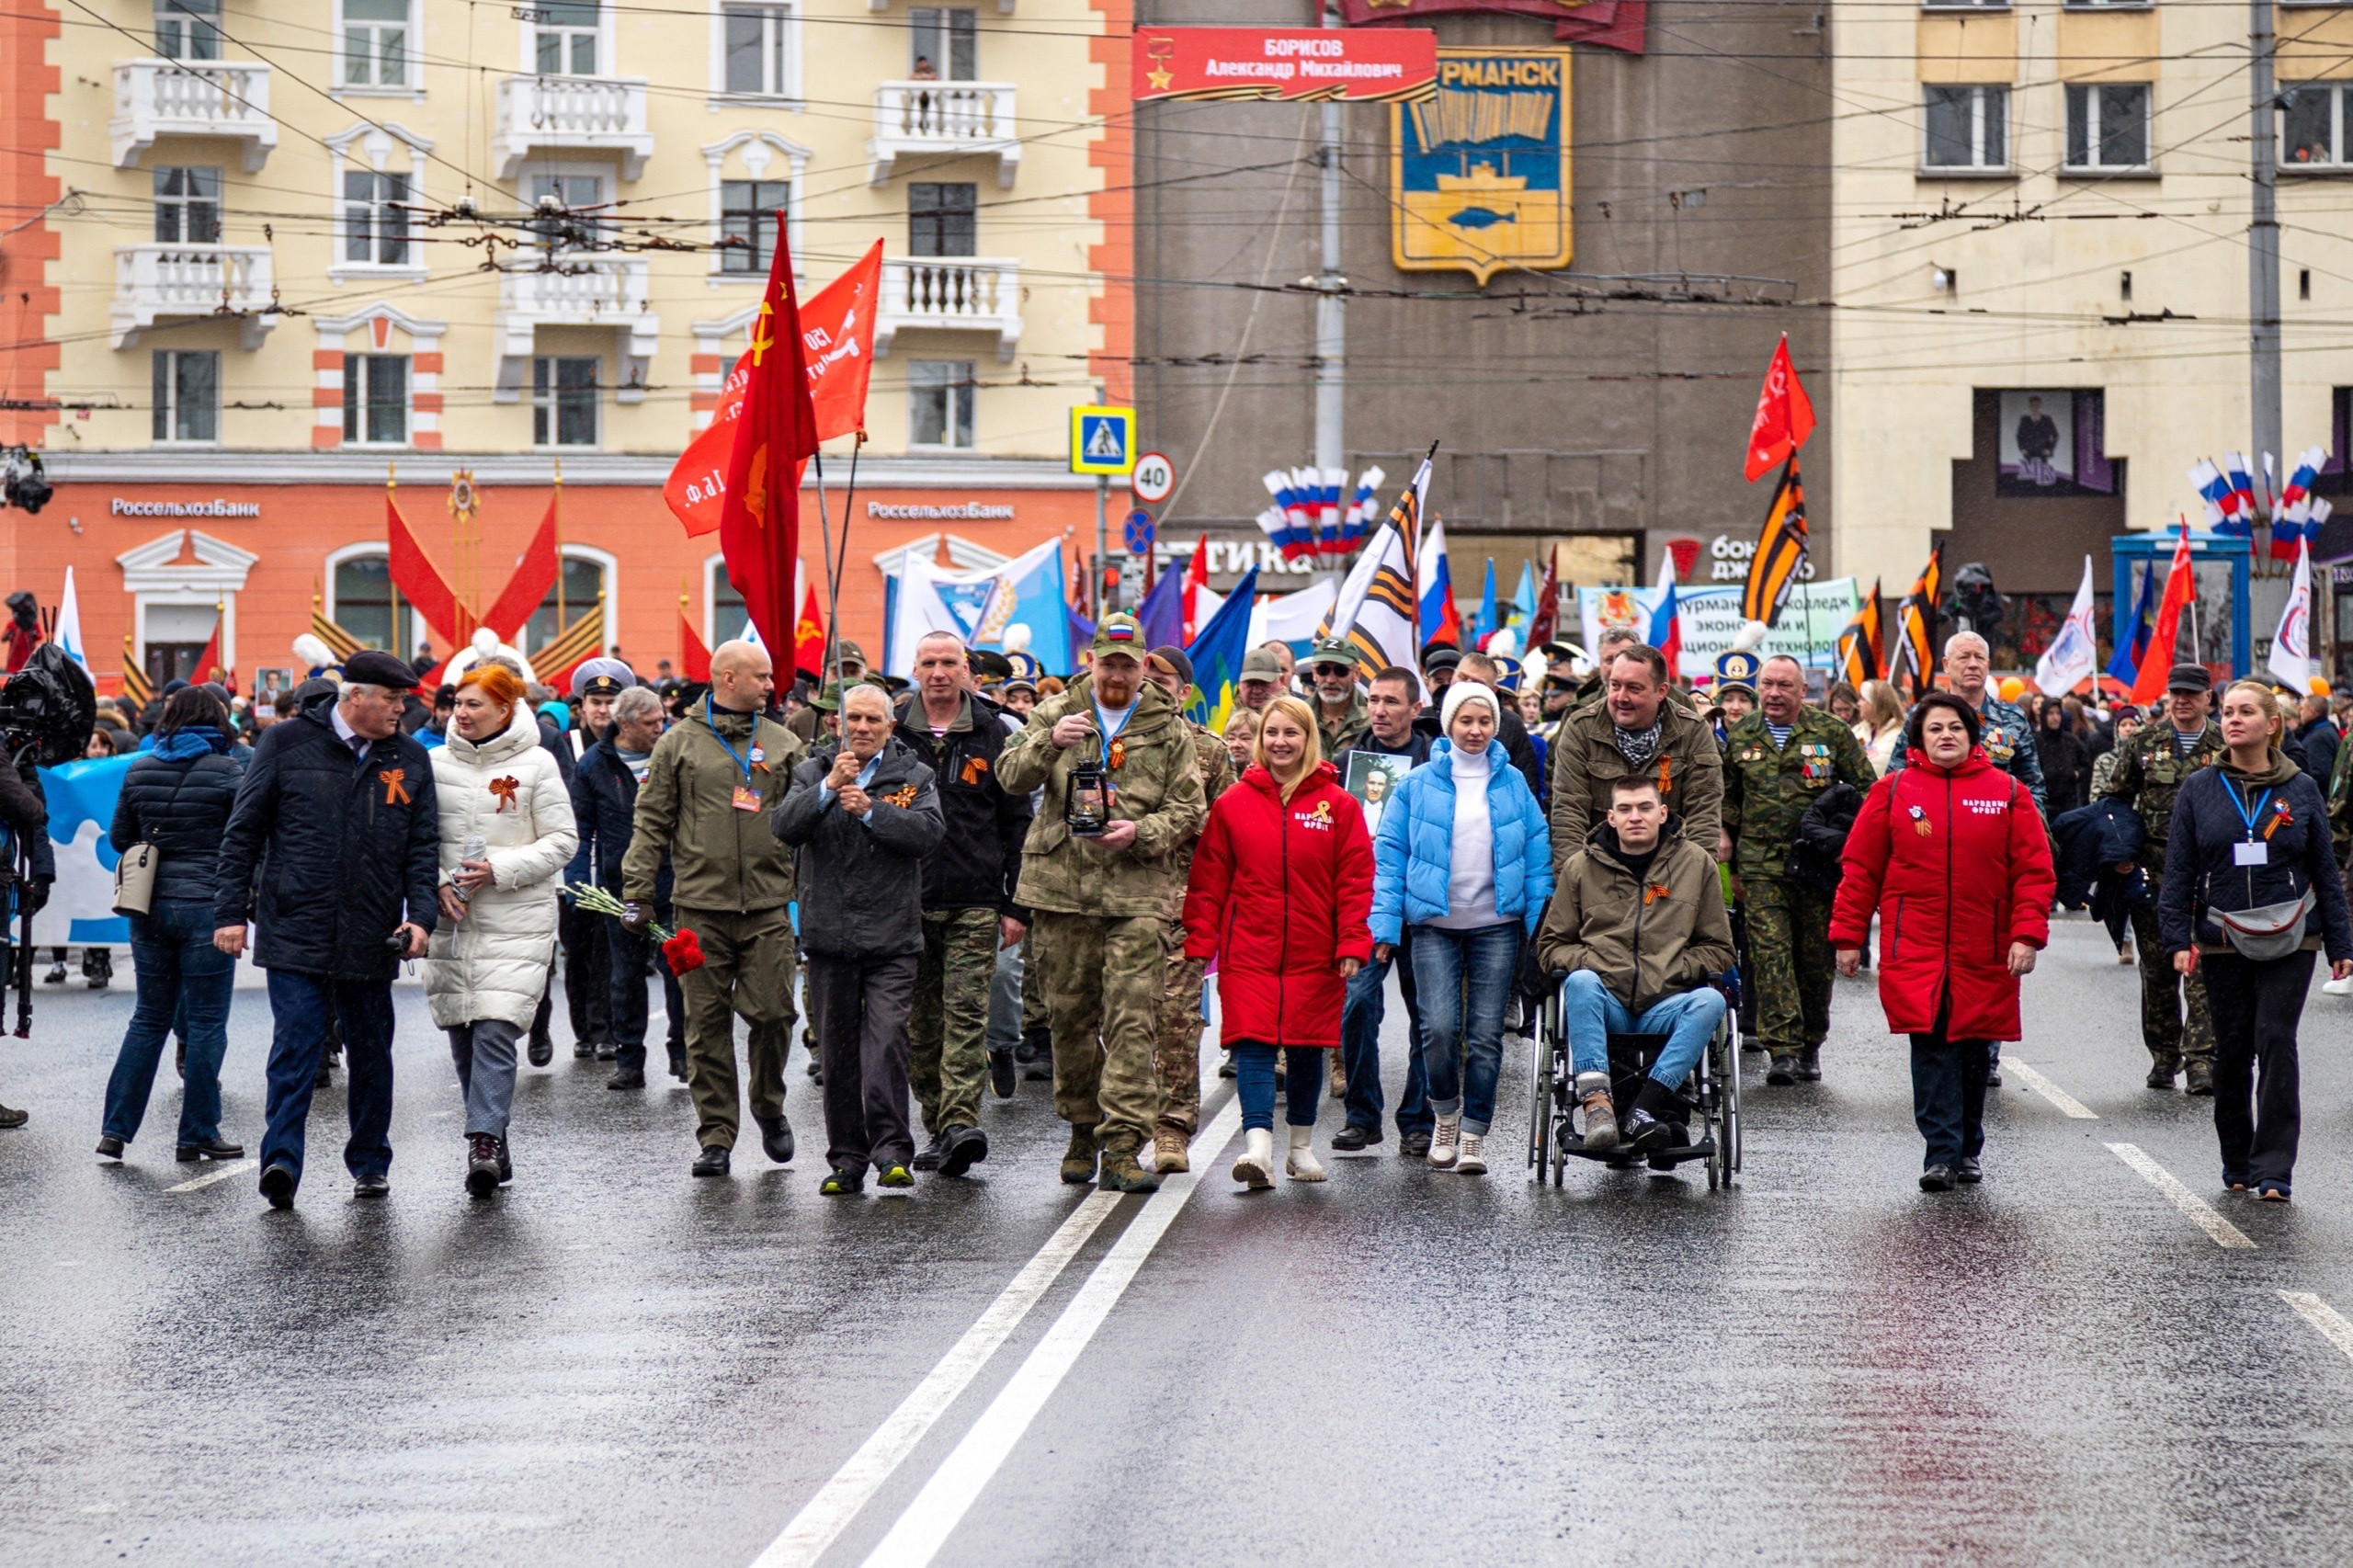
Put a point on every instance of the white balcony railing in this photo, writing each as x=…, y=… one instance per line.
x=572, y=114
x=227, y=99
x=950, y=294
x=582, y=291
x=158, y=283
x=949, y=119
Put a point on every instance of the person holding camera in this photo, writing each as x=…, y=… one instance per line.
x=334, y=850
x=506, y=836
x=177, y=800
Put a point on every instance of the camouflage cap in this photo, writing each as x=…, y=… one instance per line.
x=1120, y=633
x=1260, y=664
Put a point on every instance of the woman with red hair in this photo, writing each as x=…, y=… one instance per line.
x=506, y=836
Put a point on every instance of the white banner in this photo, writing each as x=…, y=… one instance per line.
x=1711, y=617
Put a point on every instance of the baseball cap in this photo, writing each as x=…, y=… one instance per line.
x=1172, y=659
x=1120, y=633
x=1259, y=665
x=1331, y=651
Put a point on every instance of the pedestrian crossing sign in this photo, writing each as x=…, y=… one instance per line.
x=1102, y=441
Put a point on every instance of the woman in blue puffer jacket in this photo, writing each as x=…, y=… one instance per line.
x=1464, y=857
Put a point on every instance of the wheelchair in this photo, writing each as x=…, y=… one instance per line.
x=1706, y=1128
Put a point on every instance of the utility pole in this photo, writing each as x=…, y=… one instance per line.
x=1331, y=320
x=2263, y=240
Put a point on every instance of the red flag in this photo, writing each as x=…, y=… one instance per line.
x=527, y=588
x=2181, y=587
x=208, y=660
x=1784, y=414
x=837, y=328
x=420, y=582
x=759, y=528
x=1543, y=625
x=808, y=635
x=692, y=654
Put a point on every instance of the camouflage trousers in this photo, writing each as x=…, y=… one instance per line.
x=1789, y=949
x=1103, y=978
x=1178, y=1059
x=2163, y=993
x=948, y=1031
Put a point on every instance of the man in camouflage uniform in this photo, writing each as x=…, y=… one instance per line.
x=1340, y=717
x=1634, y=729
x=2151, y=770
x=1177, y=1058
x=1101, y=900
x=1769, y=780
x=2004, y=729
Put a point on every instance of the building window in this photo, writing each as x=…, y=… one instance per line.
x=2314, y=135
x=728, y=615
x=187, y=394
x=747, y=209
x=375, y=399
x=940, y=219
x=2108, y=125
x=1968, y=128
x=939, y=403
x=582, y=581
x=363, y=605
x=943, y=43
x=187, y=207
x=375, y=43
x=758, y=49
x=188, y=29
x=1965, y=5
x=375, y=229
x=564, y=401
x=567, y=37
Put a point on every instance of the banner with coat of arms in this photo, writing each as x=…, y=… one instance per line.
x=1480, y=172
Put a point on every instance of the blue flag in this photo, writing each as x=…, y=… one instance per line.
x=1523, y=598
x=2132, y=642
x=1162, y=614
x=1217, y=653
x=1486, y=625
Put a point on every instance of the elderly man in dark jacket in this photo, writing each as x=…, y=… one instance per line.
x=968, y=908
x=604, y=804
x=864, y=816
x=334, y=849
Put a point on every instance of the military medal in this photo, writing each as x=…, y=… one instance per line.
x=1920, y=822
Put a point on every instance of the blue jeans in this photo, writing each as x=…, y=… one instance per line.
x=181, y=975
x=301, y=1007
x=1361, y=1020
x=1465, y=979
x=1592, y=1014
x=1254, y=1082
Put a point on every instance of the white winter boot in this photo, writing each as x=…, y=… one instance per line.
x=1255, y=1168
x=1302, y=1165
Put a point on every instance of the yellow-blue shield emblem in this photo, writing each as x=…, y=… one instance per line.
x=1479, y=173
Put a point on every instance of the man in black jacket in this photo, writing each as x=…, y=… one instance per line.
x=24, y=809
x=865, y=817
x=604, y=804
x=334, y=849
x=968, y=908
x=1392, y=711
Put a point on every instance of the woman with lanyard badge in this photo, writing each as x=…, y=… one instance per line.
x=2251, y=888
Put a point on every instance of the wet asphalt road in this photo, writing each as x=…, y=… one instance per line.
x=613, y=1363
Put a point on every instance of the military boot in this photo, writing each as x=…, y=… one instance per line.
x=1169, y=1152
x=2161, y=1073
x=1079, y=1160
x=1782, y=1069
x=2197, y=1075
x=1123, y=1173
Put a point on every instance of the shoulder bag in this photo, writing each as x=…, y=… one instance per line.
x=134, y=879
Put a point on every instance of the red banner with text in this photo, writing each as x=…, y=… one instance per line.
x=1284, y=62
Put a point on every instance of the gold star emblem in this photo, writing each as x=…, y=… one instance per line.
x=1159, y=79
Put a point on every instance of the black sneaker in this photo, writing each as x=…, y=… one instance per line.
x=1937, y=1178
x=1002, y=1076
x=369, y=1186
x=583, y=1051
x=963, y=1148
x=56, y=976
x=927, y=1158
x=277, y=1186
x=711, y=1162
x=1644, y=1134
x=1226, y=1069
x=1967, y=1171
x=541, y=1051
x=843, y=1182
x=1352, y=1138
x=482, y=1164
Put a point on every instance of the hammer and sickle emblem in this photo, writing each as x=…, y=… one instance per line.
x=761, y=341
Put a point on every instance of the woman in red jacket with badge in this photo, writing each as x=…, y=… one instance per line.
x=1280, y=894
x=1954, y=858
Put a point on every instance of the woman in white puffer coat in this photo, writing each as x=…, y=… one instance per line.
x=488, y=961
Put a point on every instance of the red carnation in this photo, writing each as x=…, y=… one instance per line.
x=684, y=952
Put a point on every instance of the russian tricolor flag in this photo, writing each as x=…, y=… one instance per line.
x=1666, y=620
x=2223, y=514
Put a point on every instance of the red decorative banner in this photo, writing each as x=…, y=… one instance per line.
x=1284, y=62
x=1606, y=24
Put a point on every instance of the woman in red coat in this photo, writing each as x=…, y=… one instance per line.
x=1280, y=893
x=1953, y=855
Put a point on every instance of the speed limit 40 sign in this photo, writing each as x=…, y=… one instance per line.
x=1155, y=478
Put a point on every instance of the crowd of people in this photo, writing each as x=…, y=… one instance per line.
x=989, y=873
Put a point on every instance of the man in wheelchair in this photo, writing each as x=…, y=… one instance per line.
x=1637, y=924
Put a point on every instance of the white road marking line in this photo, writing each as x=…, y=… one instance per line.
x=2332, y=1324
x=222, y=1174
x=920, y=1532
x=826, y=1514
x=2049, y=1091
x=2225, y=1234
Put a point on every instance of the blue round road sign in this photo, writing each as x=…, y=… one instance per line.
x=1138, y=532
